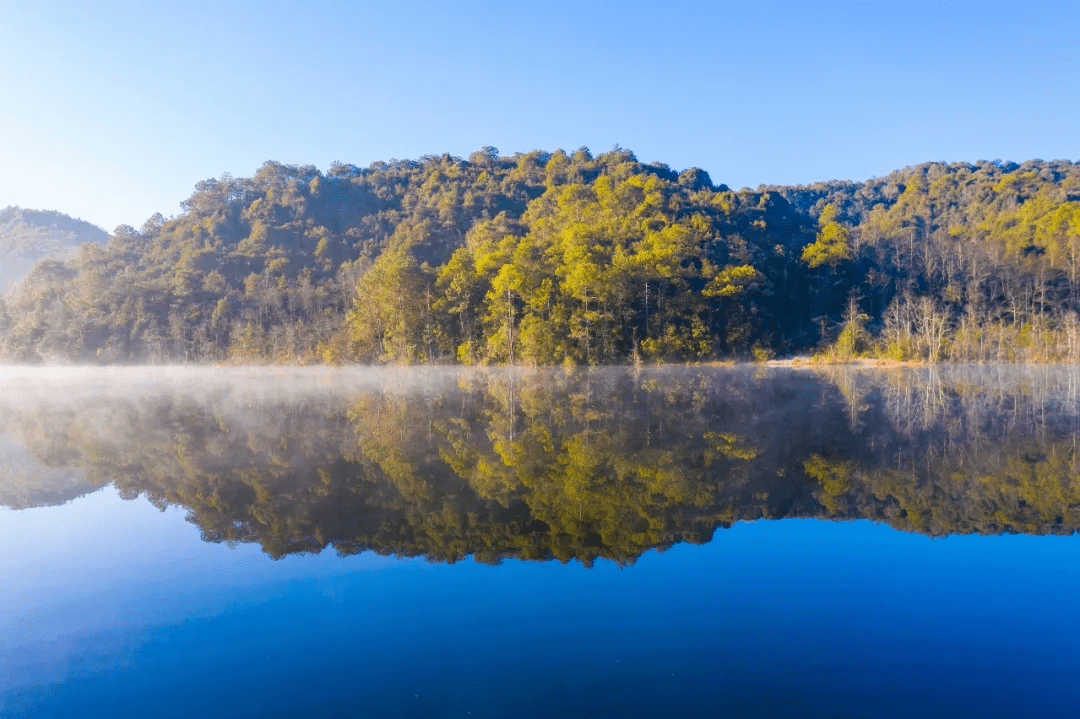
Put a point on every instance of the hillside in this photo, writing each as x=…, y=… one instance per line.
x=29, y=236
x=545, y=258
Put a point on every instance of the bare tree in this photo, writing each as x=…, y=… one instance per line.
x=931, y=323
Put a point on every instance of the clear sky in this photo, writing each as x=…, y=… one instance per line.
x=111, y=111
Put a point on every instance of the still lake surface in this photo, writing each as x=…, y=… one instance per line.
x=733, y=541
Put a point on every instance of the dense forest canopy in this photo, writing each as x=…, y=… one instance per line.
x=553, y=257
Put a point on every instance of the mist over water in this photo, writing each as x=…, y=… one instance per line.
x=603, y=463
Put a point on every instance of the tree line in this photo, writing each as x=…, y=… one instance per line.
x=546, y=258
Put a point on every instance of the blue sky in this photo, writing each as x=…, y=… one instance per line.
x=113, y=111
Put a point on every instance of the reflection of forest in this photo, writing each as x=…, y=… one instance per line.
x=601, y=463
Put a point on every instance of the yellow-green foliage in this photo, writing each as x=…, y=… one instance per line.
x=832, y=245
x=548, y=258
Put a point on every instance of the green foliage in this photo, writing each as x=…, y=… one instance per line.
x=390, y=320
x=833, y=243
x=853, y=340
x=733, y=280
x=545, y=258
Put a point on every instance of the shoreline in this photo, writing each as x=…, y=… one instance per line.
x=872, y=362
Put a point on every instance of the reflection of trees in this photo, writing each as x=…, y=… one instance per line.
x=591, y=467
x=607, y=463
x=971, y=450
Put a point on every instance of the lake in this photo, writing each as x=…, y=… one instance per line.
x=446, y=542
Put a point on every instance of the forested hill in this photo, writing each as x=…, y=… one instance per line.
x=29, y=236
x=544, y=258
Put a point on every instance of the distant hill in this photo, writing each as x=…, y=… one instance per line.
x=29, y=236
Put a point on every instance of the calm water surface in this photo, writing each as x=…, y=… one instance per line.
x=487, y=543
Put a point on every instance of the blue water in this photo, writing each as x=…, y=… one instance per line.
x=115, y=609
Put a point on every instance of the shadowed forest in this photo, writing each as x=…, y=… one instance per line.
x=550, y=258
x=541, y=465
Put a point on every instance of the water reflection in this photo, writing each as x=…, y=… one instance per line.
x=538, y=465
